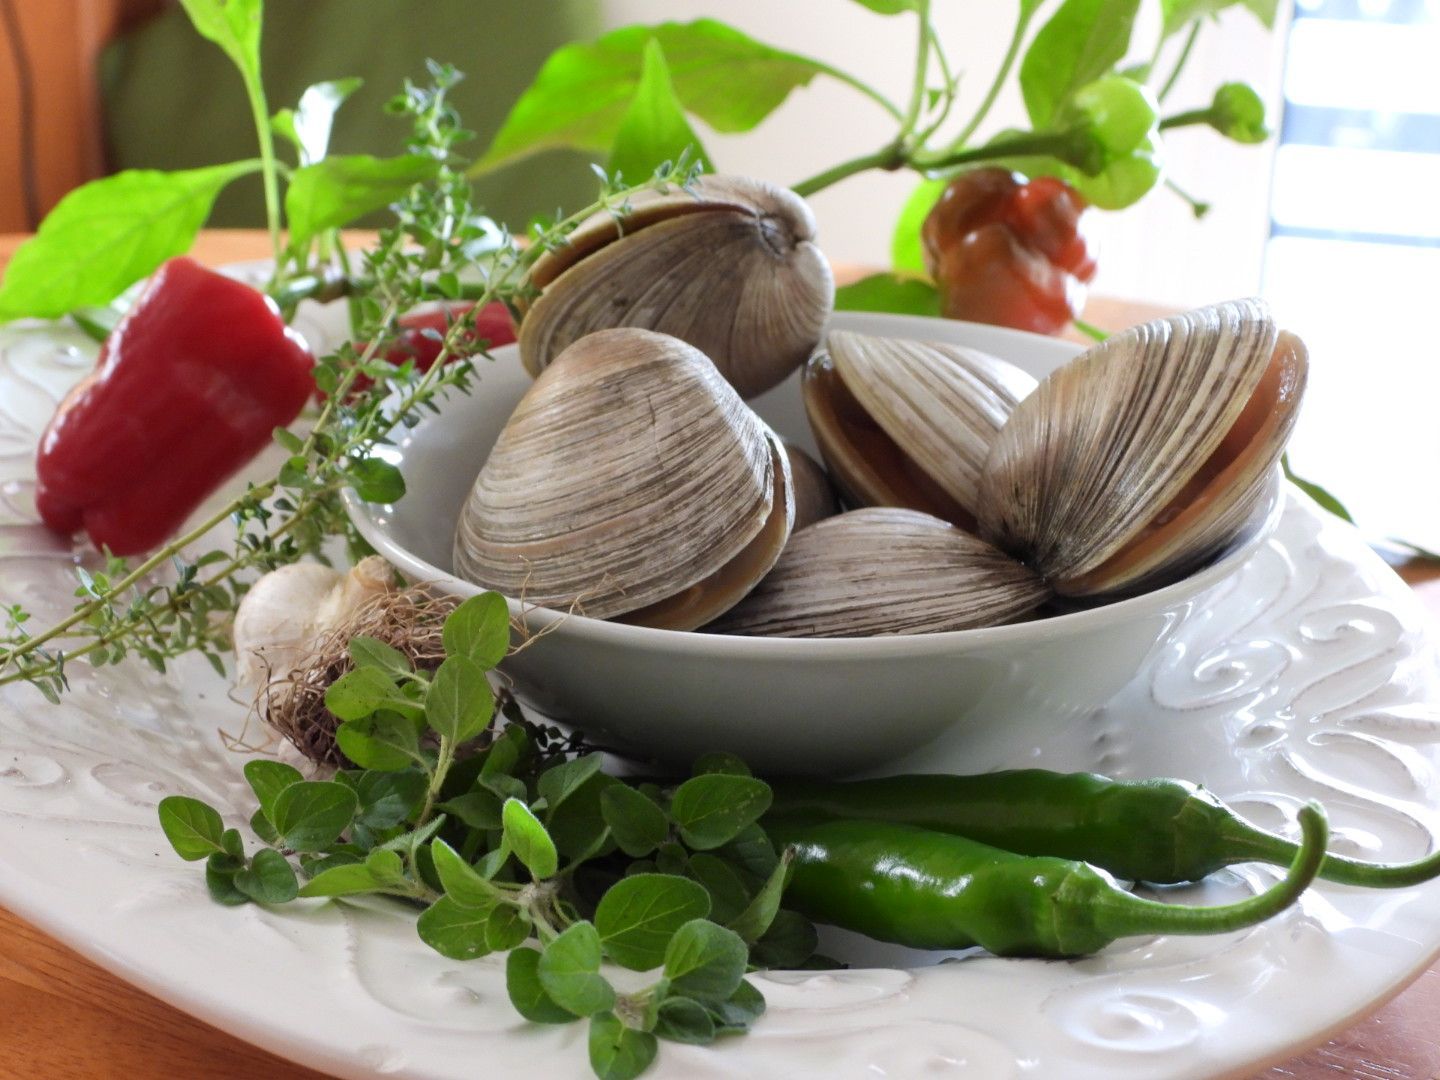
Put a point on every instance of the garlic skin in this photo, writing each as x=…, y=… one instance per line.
x=289, y=609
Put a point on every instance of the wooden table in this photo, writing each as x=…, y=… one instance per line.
x=61, y=1017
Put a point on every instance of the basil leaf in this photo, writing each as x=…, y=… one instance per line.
x=569, y=971
x=269, y=879
x=522, y=983
x=906, y=250
x=311, y=815
x=704, y=960
x=372, y=652
x=268, y=778
x=682, y=1020
x=638, y=915
x=479, y=629
x=654, y=129
x=618, y=1052
x=193, y=828
x=527, y=839
x=712, y=809
x=638, y=825
x=453, y=931
x=459, y=703
x=899, y=293
x=1083, y=40
x=336, y=191
x=108, y=234
x=581, y=95
x=308, y=125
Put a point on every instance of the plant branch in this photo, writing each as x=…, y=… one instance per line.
x=922, y=69
x=1012, y=53
x=889, y=157
x=1180, y=61
x=1058, y=144
x=1187, y=119
x=864, y=88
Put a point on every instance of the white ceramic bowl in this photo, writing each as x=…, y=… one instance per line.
x=799, y=706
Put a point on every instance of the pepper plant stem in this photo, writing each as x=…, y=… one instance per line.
x=1180, y=61
x=1187, y=118
x=1012, y=53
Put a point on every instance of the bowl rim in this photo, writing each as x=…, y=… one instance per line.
x=722, y=646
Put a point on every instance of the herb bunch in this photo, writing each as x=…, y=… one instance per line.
x=511, y=838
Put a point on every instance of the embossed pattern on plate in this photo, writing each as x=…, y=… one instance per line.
x=1309, y=675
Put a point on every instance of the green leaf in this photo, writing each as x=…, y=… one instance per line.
x=728, y=894
x=570, y=972
x=1178, y=14
x=577, y=826
x=790, y=941
x=743, y=1008
x=309, y=125
x=1083, y=40
x=753, y=923
x=389, y=798
x=907, y=253
x=459, y=704
x=683, y=1020
x=479, y=629
x=558, y=783
x=261, y=827
x=618, y=1052
x=374, y=480
x=346, y=879
x=527, y=839
x=753, y=851
x=522, y=982
x=638, y=915
x=220, y=871
x=193, y=828
x=654, y=129
x=582, y=94
x=108, y=234
x=462, y=883
x=269, y=879
x=477, y=809
x=638, y=825
x=234, y=25
x=1326, y=500
x=311, y=815
x=367, y=651
x=704, y=960
x=386, y=867
x=890, y=7
x=359, y=693
x=454, y=931
x=903, y=294
x=336, y=191
x=719, y=761
x=268, y=778
x=507, y=927
x=384, y=742
x=711, y=810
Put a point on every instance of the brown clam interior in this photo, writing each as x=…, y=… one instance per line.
x=1248, y=450
x=867, y=465
x=712, y=596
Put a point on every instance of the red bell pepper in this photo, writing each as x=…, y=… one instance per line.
x=1010, y=252
x=189, y=386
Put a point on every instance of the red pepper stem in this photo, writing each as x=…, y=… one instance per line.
x=1122, y=914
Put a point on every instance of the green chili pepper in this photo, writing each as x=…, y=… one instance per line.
x=1161, y=831
x=934, y=890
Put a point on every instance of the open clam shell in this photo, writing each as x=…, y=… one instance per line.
x=884, y=571
x=1148, y=453
x=631, y=481
x=909, y=423
x=729, y=266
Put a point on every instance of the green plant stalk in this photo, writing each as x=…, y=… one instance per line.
x=1180, y=61
x=863, y=87
x=1012, y=53
x=269, y=171
x=922, y=69
x=443, y=760
x=1187, y=118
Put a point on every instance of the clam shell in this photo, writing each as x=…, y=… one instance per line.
x=814, y=494
x=910, y=423
x=629, y=473
x=729, y=266
x=884, y=571
x=1146, y=454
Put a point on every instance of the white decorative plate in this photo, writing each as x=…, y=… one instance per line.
x=1309, y=676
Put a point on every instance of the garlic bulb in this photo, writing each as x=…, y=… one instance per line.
x=289, y=609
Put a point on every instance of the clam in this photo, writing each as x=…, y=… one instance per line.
x=728, y=265
x=909, y=423
x=884, y=571
x=1148, y=454
x=631, y=482
x=814, y=494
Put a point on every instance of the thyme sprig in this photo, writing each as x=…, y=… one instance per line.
x=128, y=609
